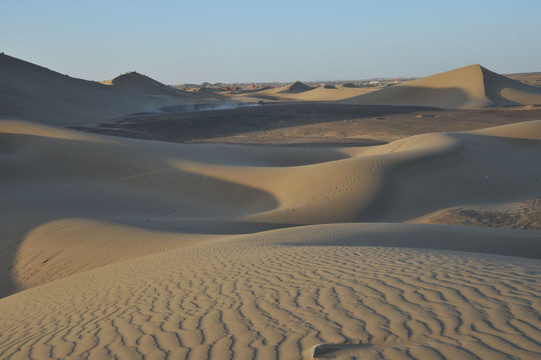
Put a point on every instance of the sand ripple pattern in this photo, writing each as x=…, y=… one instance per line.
x=270, y=302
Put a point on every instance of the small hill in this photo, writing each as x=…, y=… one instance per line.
x=298, y=87
x=471, y=86
x=143, y=84
x=29, y=91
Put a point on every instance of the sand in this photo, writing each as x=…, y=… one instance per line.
x=472, y=86
x=122, y=248
x=301, y=92
x=35, y=93
x=469, y=87
x=278, y=294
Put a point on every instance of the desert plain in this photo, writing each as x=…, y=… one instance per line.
x=140, y=221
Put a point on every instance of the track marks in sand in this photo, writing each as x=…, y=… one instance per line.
x=269, y=302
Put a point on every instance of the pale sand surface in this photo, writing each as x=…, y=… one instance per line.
x=120, y=248
x=83, y=214
x=315, y=94
x=471, y=86
x=277, y=294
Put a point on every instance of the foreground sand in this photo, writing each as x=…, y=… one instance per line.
x=277, y=294
x=127, y=248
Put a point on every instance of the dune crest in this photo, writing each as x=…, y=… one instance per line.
x=468, y=87
x=298, y=87
x=196, y=188
x=302, y=92
x=471, y=86
x=144, y=84
x=35, y=93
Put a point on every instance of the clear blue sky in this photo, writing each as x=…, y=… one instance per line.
x=195, y=41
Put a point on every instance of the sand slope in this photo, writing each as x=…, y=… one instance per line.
x=143, y=84
x=60, y=184
x=131, y=248
x=298, y=87
x=468, y=87
x=328, y=94
x=276, y=295
x=33, y=92
x=305, y=93
x=471, y=86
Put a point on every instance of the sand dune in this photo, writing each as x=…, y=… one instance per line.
x=320, y=93
x=57, y=174
x=468, y=87
x=471, y=86
x=277, y=294
x=328, y=94
x=36, y=93
x=143, y=84
x=142, y=236
x=120, y=248
x=298, y=87
x=288, y=92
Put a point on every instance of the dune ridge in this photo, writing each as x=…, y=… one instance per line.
x=173, y=188
x=298, y=87
x=471, y=86
x=35, y=93
x=305, y=93
x=143, y=84
x=468, y=87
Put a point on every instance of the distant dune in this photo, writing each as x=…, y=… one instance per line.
x=468, y=87
x=298, y=87
x=306, y=93
x=34, y=92
x=471, y=86
x=143, y=84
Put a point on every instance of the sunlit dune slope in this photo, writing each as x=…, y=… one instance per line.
x=471, y=86
x=60, y=184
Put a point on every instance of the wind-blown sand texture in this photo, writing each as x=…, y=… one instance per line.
x=121, y=248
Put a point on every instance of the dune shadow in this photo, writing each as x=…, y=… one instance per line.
x=46, y=179
x=444, y=98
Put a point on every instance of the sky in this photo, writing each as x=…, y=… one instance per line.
x=179, y=42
